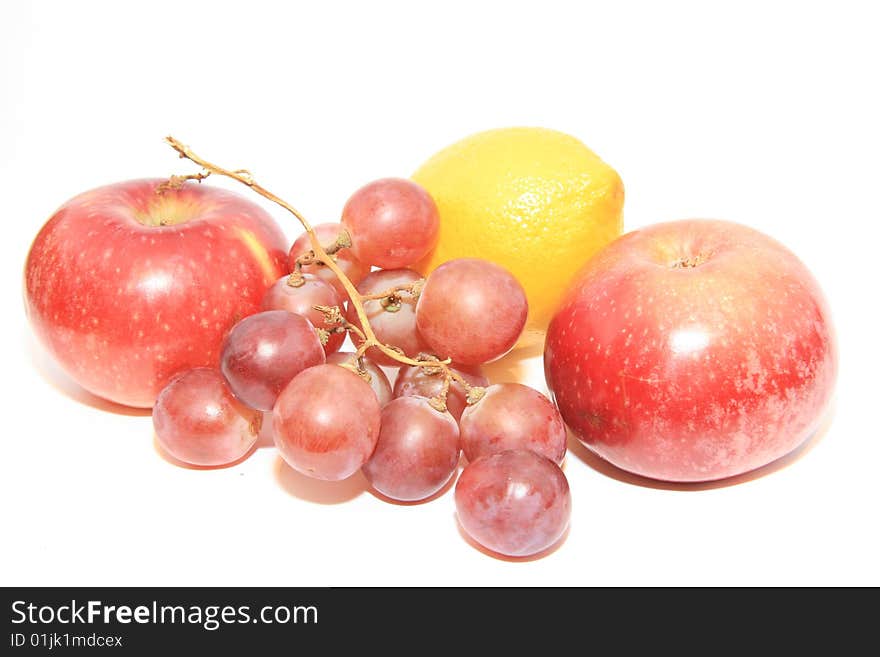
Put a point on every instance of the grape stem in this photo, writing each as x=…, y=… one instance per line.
x=176, y=182
x=412, y=289
x=343, y=241
x=319, y=253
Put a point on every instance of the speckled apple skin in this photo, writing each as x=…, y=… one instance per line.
x=692, y=350
x=123, y=305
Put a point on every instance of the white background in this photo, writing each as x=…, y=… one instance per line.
x=762, y=113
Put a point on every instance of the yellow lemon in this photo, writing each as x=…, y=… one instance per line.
x=535, y=201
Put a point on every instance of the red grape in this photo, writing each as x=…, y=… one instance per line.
x=302, y=299
x=198, y=420
x=326, y=422
x=394, y=320
x=512, y=416
x=471, y=311
x=417, y=451
x=263, y=352
x=378, y=381
x=417, y=382
x=516, y=503
x=392, y=222
x=345, y=258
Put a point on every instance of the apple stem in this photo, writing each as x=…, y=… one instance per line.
x=320, y=254
x=690, y=261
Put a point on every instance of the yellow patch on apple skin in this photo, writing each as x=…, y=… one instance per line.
x=270, y=272
x=168, y=210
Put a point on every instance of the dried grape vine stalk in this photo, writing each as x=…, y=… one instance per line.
x=429, y=363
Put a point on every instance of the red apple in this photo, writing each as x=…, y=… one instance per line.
x=692, y=351
x=127, y=284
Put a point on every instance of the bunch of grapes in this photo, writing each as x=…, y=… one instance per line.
x=334, y=413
